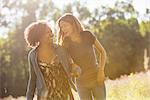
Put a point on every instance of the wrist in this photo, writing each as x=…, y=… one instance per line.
x=73, y=65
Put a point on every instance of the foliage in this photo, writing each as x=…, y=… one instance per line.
x=117, y=28
x=132, y=87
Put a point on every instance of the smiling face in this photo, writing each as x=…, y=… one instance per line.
x=47, y=36
x=66, y=28
x=68, y=25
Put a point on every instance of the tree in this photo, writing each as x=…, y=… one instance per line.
x=119, y=35
x=14, y=56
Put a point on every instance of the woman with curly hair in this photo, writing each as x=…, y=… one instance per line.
x=48, y=65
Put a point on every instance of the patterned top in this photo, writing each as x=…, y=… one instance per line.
x=56, y=81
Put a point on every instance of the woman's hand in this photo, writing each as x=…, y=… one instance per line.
x=100, y=77
x=76, y=70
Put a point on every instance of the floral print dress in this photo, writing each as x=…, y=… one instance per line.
x=56, y=80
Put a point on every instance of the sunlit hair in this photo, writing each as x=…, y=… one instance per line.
x=68, y=17
x=34, y=31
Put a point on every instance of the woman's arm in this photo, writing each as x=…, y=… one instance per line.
x=102, y=54
x=102, y=60
x=75, y=70
x=31, y=82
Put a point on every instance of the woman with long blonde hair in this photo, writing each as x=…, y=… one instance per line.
x=80, y=44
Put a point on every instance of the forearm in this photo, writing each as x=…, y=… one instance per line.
x=102, y=54
x=102, y=60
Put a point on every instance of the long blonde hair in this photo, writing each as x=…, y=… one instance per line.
x=68, y=17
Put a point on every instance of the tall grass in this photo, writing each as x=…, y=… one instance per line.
x=132, y=87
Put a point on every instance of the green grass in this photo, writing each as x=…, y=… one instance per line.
x=132, y=87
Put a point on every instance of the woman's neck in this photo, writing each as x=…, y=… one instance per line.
x=75, y=37
x=46, y=46
x=46, y=53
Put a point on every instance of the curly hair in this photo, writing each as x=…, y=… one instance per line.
x=34, y=31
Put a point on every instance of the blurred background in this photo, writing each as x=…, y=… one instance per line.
x=122, y=26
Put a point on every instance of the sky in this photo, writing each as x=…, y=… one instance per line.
x=139, y=5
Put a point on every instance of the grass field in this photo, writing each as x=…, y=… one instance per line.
x=132, y=87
